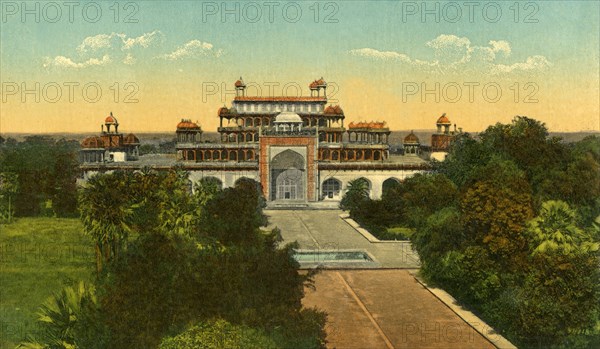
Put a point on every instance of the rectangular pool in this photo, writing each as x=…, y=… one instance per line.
x=334, y=258
x=311, y=256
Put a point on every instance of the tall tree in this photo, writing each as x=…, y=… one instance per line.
x=105, y=206
x=64, y=179
x=495, y=210
x=234, y=214
x=423, y=194
x=9, y=186
x=466, y=155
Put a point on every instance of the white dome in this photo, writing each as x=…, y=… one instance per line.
x=288, y=117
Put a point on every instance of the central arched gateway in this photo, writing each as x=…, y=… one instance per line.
x=288, y=176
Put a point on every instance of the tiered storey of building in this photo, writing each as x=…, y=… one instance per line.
x=249, y=117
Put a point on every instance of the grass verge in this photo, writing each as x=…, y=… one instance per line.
x=38, y=256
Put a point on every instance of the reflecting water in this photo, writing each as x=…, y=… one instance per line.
x=332, y=256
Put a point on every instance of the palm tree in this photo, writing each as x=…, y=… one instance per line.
x=555, y=230
x=178, y=209
x=358, y=191
x=61, y=316
x=104, y=204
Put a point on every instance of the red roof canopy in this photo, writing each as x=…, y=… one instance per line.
x=92, y=142
x=443, y=120
x=187, y=125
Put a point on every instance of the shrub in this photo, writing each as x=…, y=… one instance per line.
x=219, y=334
x=70, y=319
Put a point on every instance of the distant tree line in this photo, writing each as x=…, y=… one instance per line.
x=38, y=177
x=165, y=147
x=509, y=224
x=181, y=268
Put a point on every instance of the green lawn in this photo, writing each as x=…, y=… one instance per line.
x=394, y=233
x=38, y=256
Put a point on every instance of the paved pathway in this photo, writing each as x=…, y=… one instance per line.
x=375, y=308
x=387, y=309
x=325, y=230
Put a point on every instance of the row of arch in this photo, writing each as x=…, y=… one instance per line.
x=219, y=155
x=212, y=180
x=368, y=137
x=252, y=136
x=352, y=154
x=332, y=188
x=239, y=137
x=307, y=121
x=279, y=107
x=250, y=155
x=105, y=155
x=331, y=137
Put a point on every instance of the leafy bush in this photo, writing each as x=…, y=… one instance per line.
x=70, y=320
x=219, y=334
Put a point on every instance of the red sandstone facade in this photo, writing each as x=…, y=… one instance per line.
x=307, y=142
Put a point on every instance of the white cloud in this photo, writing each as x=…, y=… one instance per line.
x=445, y=41
x=129, y=59
x=194, y=48
x=144, y=40
x=500, y=46
x=108, y=41
x=119, y=47
x=532, y=63
x=457, y=54
x=66, y=62
x=451, y=50
x=383, y=55
x=97, y=42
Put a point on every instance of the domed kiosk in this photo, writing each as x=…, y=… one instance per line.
x=412, y=145
x=110, y=145
x=288, y=121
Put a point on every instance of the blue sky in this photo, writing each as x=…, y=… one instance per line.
x=371, y=48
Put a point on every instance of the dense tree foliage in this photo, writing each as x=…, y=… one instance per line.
x=169, y=256
x=46, y=171
x=148, y=149
x=421, y=195
x=509, y=224
x=408, y=203
x=495, y=210
x=234, y=211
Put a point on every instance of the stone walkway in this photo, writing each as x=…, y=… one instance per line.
x=325, y=230
x=382, y=307
x=387, y=309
